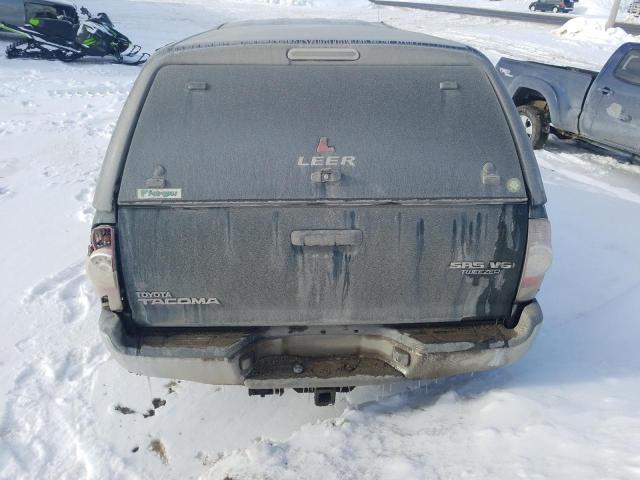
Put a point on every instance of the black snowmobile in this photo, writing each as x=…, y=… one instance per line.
x=69, y=37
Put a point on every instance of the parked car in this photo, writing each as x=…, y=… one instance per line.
x=602, y=108
x=555, y=6
x=19, y=12
x=634, y=8
x=318, y=205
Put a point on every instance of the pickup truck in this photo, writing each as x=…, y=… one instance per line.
x=602, y=108
x=290, y=204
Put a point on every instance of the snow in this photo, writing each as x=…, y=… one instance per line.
x=593, y=29
x=567, y=410
x=588, y=8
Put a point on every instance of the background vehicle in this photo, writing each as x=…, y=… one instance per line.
x=292, y=233
x=55, y=31
x=18, y=12
x=555, y=6
x=599, y=107
x=634, y=8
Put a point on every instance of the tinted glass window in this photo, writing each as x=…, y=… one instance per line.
x=35, y=10
x=629, y=68
x=269, y=132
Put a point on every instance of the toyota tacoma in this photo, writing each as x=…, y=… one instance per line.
x=318, y=205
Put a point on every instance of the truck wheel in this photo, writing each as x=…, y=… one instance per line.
x=555, y=10
x=532, y=8
x=535, y=124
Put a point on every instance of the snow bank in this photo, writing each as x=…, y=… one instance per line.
x=596, y=8
x=319, y=4
x=593, y=30
x=333, y=4
x=591, y=8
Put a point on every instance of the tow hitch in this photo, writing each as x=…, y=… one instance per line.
x=322, y=397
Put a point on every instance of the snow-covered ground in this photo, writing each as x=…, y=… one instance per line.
x=567, y=410
x=598, y=9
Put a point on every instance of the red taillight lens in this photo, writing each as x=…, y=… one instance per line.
x=101, y=237
x=101, y=265
x=538, y=259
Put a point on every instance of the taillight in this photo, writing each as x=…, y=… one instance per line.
x=538, y=259
x=101, y=265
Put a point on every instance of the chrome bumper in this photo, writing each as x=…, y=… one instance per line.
x=327, y=356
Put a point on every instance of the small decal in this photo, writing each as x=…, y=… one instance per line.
x=165, y=298
x=506, y=72
x=323, y=146
x=159, y=193
x=514, y=185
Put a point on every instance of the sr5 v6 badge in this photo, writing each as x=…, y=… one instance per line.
x=492, y=267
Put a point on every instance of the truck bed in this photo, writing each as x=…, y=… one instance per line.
x=569, y=85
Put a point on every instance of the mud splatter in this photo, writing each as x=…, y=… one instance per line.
x=124, y=410
x=156, y=446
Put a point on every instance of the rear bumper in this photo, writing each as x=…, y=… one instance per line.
x=330, y=357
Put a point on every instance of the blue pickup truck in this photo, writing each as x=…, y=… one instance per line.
x=601, y=108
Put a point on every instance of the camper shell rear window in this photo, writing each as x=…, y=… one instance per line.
x=308, y=132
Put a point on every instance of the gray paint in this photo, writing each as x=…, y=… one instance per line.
x=576, y=101
x=613, y=118
x=226, y=114
x=243, y=256
x=267, y=43
x=563, y=88
x=396, y=134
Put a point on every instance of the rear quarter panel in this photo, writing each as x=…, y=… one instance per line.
x=563, y=89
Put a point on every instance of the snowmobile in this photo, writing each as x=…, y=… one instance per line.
x=67, y=37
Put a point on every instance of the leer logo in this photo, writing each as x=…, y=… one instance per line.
x=325, y=158
x=323, y=146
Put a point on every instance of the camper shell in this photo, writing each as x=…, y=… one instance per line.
x=318, y=205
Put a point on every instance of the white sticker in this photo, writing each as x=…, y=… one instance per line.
x=159, y=193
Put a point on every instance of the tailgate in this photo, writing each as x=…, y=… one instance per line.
x=400, y=272
x=300, y=195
